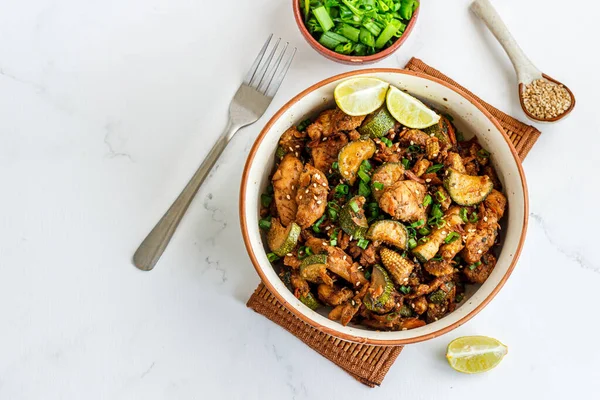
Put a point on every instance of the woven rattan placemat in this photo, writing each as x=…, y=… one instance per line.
x=367, y=363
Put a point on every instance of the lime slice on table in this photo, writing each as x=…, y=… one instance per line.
x=474, y=354
x=360, y=96
x=409, y=111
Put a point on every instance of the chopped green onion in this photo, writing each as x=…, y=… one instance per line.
x=354, y=206
x=304, y=124
x=451, y=237
x=387, y=142
x=424, y=231
x=372, y=27
x=363, y=188
x=463, y=214
x=335, y=165
x=363, y=176
x=474, y=217
x=363, y=243
x=270, y=189
x=405, y=163
x=272, y=257
x=473, y=266
x=423, y=240
x=360, y=49
x=407, y=8
x=459, y=297
x=388, y=32
x=366, y=37
x=417, y=224
x=440, y=196
x=436, y=211
x=303, y=252
x=366, y=165
x=434, y=168
x=342, y=189
x=412, y=243
x=378, y=185
x=427, y=200
x=414, y=149
x=308, y=251
x=483, y=153
x=333, y=209
x=349, y=32
x=459, y=136
x=306, y=9
x=352, y=8
x=333, y=237
x=266, y=200
x=264, y=223
x=323, y=17
x=367, y=274
x=316, y=227
x=411, y=231
x=437, y=258
x=404, y=289
x=331, y=40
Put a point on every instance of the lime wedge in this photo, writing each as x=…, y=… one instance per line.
x=409, y=111
x=360, y=96
x=475, y=354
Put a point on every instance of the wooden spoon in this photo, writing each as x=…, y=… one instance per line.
x=526, y=71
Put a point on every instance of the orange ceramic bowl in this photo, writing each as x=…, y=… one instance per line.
x=346, y=59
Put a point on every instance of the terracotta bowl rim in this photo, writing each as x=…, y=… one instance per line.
x=346, y=59
x=342, y=335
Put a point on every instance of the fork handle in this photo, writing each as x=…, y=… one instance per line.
x=149, y=252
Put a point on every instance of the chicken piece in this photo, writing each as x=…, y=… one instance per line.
x=454, y=161
x=480, y=273
x=421, y=166
x=443, y=198
x=450, y=250
x=439, y=267
x=285, y=184
x=366, y=256
x=393, y=322
x=477, y=242
x=311, y=196
x=418, y=305
x=353, y=135
x=293, y=141
x=432, y=148
x=338, y=261
x=477, y=152
x=496, y=202
x=432, y=179
x=472, y=168
x=325, y=153
x=334, y=295
x=491, y=172
x=332, y=121
x=299, y=284
x=413, y=137
x=349, y=311
x=404, y=201
x=386, y=154
x=336, y=312
x=292, y=261
x=323, y=126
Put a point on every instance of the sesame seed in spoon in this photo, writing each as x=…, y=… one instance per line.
x=543, y=98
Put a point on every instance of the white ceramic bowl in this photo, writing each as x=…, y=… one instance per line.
x=469, y=117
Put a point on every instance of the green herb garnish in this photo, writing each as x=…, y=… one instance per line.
x=363, y=243
x=264, y=224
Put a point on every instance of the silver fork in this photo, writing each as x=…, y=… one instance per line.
x=248, y=105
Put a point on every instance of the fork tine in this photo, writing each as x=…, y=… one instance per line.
x=263, y=67
x=271, y=71
x=276, y=82
x=257, y=61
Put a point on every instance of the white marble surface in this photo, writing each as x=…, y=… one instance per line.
x=106, y=109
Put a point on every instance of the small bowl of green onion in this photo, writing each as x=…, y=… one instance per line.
x=355, y=31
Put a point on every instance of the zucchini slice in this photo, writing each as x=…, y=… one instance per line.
x=352, y=155
x=314, y=267
x=310, y=301
x=378, y=123
x=352, y=218
x=390, y=232
x=467, y=190
x=380, y=291
x=385, y=176
x=282, y=240
x=399, y=267
x=443, y=130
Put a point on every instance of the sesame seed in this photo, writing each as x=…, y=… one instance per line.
x=444, y=233
x=317, y=176
x=293, y=187
x=289, y=254
x=405, y=279
x=325, y=139
x=436, y=318
x=300, y=197
x=306, y=191
x=428, y=180
x=291, y=149
x=404, y=329
x=485, y=219
x=297, y=146
x=412, y=142
x=314, y=184
x=319, y=201
x=287, y=196
x=479, y=251
x=324, y=243
x=416, y=191
x=344, y=258
x=435, y=155
x=330, y=170
x=327, y=227
x=324, y=184
x=350, y=237
x=412, y=305
x=315, y=197
x=432, y=135
x=357, y=283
